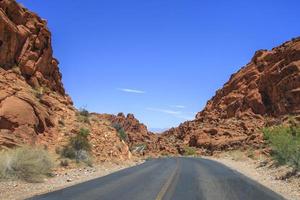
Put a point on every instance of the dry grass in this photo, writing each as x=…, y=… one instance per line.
x=25, y=163
x=236, y=155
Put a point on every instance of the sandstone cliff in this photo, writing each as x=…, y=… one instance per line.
x=267, y=89
x=34, y=108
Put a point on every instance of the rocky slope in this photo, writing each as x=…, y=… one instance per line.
x=139, y=139
x=34, y=108
x=265, y=91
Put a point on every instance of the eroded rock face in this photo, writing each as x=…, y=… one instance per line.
x=25, y=43
x=268, y=88
x=137, y=132
x=28, y=73
x=268, y=85
x=34, y=108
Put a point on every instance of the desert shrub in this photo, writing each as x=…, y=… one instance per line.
x=83, y=115
x=84, y=112
x=26, y=163
x=78, y=147
x=285, y=144
x=121, y=132
x=122, y=135
x=64, y=163
x=190, y=151
x=117, y=126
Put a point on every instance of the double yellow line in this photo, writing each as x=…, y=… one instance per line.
x=166, y=186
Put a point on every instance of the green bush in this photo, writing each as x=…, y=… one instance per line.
x=285, y=144
x=84, y=112
x=190, y=151
x=117, y=126
x=26, y=163
x=78, y=147
x=83, y=115
x=122, y=135
x=121, y=132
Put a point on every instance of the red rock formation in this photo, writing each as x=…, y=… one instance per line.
x=26, y=58
x=137, y=132
x=34, y=108
x=25, y=43
x=140, y=140
x=267, y=87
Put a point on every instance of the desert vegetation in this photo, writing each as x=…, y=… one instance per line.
x=26, y=163
x=83, y=116
x=285, y=144
x=121, y=132
x=78, y=148
x=190, y=151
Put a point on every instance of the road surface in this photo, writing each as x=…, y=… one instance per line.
x=168, y=179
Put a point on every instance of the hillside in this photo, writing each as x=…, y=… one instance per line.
x=264, y=92
x=34, y=108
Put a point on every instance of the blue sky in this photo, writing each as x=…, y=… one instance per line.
x=159, y=59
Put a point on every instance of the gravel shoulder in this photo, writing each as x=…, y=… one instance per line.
x=266, y=173
x=63, y=177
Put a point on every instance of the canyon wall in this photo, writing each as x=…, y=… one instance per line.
x=34, y=107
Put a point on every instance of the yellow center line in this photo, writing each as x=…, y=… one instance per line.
x=166, y=186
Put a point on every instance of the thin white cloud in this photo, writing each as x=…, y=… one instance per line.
x=185, y=117
x=177, y=114
x=132, y=91
x=172, y=112
x=178, y=106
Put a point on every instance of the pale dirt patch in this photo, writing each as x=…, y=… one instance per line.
x=17, y=190
x=265, y=173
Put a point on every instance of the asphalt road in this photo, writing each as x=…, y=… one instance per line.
x=168, y=179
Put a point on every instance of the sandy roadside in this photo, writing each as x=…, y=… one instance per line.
x=17, y=190
x=265, y=175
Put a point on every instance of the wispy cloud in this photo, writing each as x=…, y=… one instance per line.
x=131, y=90
x=178, y=106
x=185, y=117
x=172, y=112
